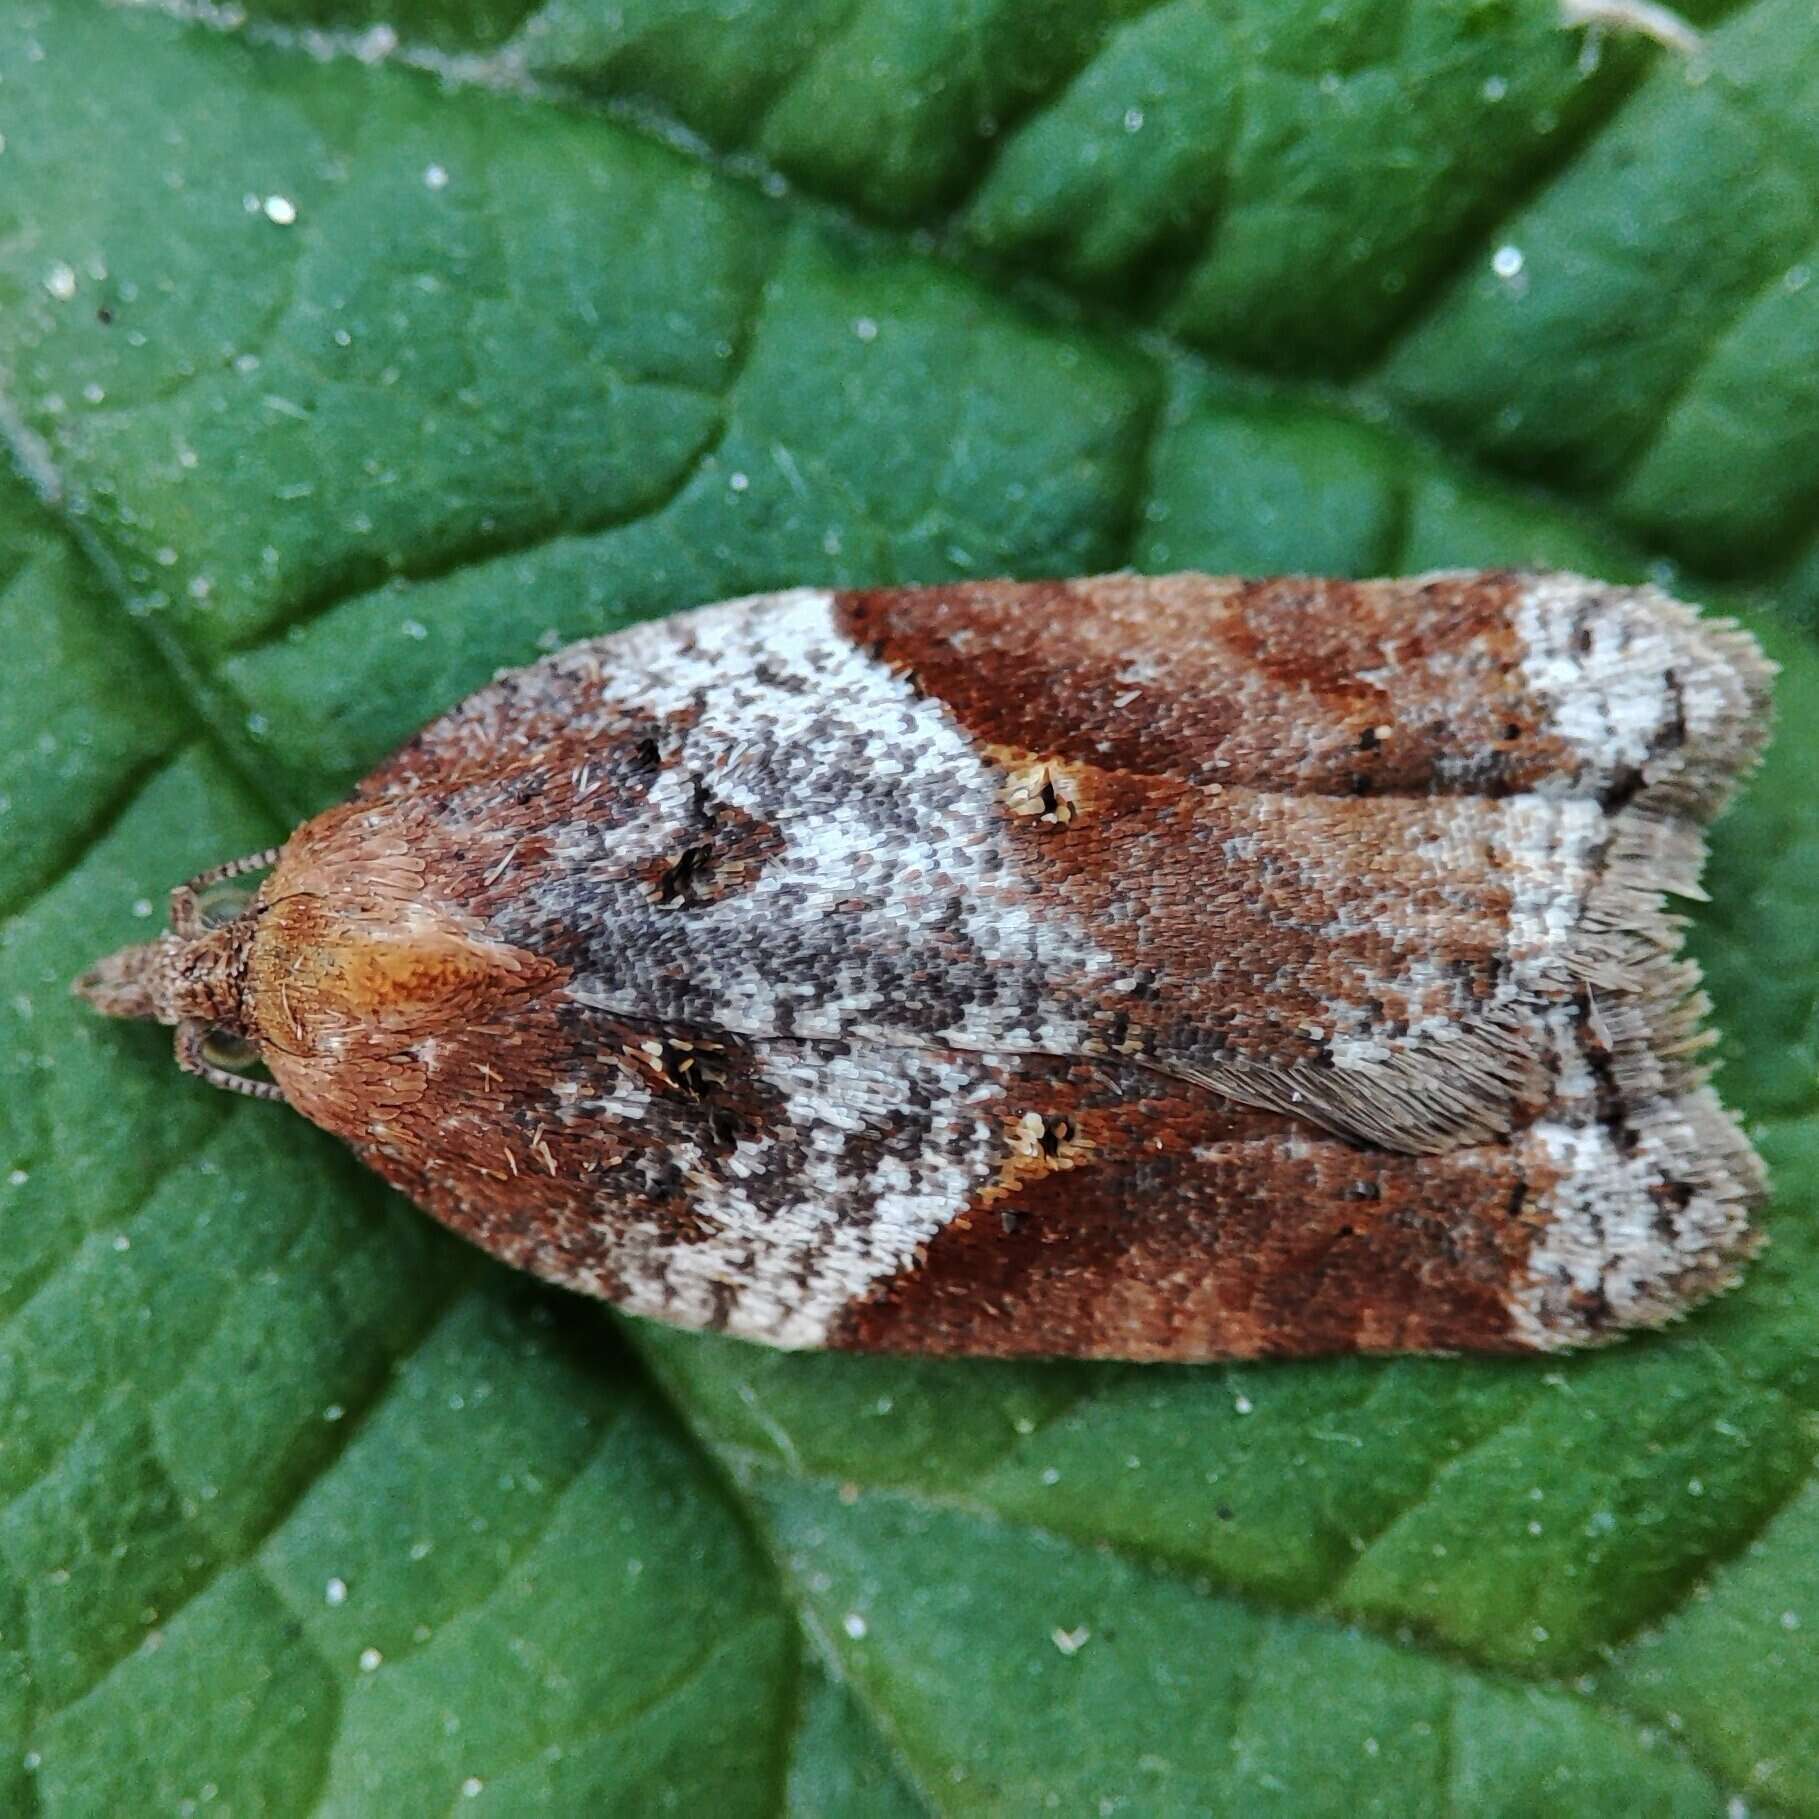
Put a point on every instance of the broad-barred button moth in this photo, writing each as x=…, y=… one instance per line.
x=1159, y=969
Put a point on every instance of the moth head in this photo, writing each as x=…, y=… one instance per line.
x=193, y=978
x=174, y=979
x=141, y=981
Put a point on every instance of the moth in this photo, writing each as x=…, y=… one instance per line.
x=1161, y=969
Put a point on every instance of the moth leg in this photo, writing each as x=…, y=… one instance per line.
x=186, y=899
x=191, y=1043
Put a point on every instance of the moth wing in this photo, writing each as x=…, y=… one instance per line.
x=913, y=972
x=912, y=1201
x=1387, y=856
x=1460, y=682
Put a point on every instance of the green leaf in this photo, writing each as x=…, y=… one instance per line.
x=347, y=353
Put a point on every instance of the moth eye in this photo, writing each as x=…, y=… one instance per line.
x=222, y=1049
x=219, y=904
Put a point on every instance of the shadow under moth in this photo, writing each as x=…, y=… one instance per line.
x=1161, y=969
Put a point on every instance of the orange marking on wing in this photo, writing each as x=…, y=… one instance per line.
x=396, y=971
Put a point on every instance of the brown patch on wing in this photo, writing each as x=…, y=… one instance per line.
x=1259, y=931
x=1314, y=686
x=544, y=1136
x=524, y=723
x=1193, y=1230
x=533, y=733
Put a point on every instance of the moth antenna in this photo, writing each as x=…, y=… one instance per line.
x=186, y=915
x=192, y=1035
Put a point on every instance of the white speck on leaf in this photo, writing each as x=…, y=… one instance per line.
x=281, y=211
